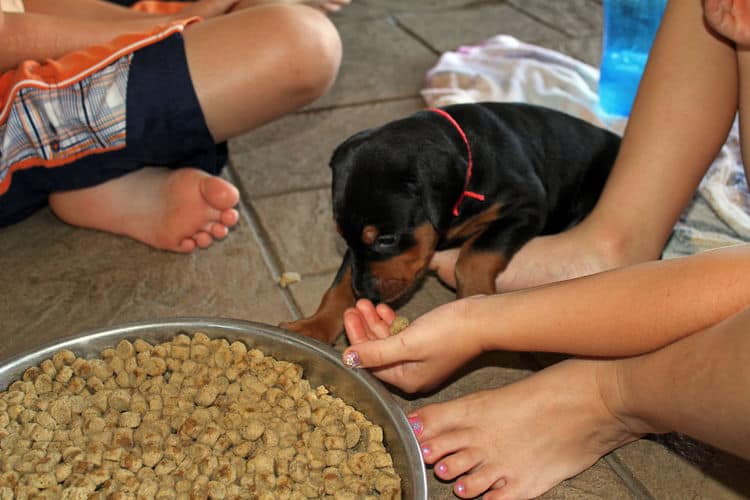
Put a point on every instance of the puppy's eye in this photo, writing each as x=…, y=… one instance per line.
x=386, y=241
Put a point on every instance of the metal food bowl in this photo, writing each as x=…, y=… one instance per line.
x=322, y=366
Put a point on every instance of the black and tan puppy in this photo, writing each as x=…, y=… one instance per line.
x=484, y=177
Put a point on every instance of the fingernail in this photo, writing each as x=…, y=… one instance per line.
x=416, y=425
x=351, y=359
x=442, y=468
x=460, y=488
x=425, y=450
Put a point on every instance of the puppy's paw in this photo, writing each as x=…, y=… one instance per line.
x=325, y=330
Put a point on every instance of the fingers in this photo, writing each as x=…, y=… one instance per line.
x=355, y=327
x=378, y=318
x=378, y=353
x=367, y=322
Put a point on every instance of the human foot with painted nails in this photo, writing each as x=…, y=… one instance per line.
x=176, y=210
x=417, y=359
x=521, y=440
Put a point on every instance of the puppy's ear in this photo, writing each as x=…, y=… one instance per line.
x=440, y=183
x=342, y=162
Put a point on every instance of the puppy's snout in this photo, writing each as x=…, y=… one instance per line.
x=391, y=289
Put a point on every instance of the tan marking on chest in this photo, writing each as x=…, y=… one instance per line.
x=475, y=224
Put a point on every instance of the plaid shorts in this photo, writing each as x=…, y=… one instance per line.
x=128, y=105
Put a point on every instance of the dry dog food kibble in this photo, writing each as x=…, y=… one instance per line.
x=398, y=325
x=190, y=418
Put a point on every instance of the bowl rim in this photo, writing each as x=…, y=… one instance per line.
x=12, y=367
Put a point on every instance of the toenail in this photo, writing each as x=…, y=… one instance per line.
x=442, y=468
x=460, y=488
x=351, y=359
x=416, y=425
x=425, y=450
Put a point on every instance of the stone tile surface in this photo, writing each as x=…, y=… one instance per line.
x=666, y=474
x=59, y=281
x=575, y=17
x=302, y=230
x=380, y=62
x=448, y=30
x=293, y=152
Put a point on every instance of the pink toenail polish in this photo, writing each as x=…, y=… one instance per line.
x=351, y=359
x=425, y=451
x=442, y=468
x=416, y=425
x=460, y=488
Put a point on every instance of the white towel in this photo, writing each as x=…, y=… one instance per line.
x=506, y=69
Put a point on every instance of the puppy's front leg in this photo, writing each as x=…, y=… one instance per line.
x=328, y=321
x=476, y=270
x=486, y=254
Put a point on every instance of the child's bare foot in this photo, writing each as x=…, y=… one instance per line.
x=730, y=18
x=175, y=210
x=521, y=440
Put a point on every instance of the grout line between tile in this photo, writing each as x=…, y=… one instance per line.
x=394, y=19
x=357, y=104
x=519, y=8
x=261, y=236
x=637, y=488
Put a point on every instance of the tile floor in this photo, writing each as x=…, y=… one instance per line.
x=58, y=280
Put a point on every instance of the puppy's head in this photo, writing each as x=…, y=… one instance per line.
x=393, y=190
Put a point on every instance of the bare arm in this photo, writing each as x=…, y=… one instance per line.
x=50, y=28
x=682, y=114
x=83, y=9
x=40, y=36
x=622, y=312
x=628, y=311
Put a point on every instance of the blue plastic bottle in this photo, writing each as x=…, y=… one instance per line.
x=629, y=30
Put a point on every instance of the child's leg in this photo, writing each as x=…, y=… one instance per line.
x=697, y=386
x=681, y=117
x=522, y=439
x=274, y=60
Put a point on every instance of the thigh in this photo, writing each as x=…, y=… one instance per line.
x=256, y=64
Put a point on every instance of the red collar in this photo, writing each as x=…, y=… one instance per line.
x=469, y=168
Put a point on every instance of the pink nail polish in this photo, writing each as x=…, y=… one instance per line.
x=442, y=468
x=351, y=359
x=425, y=451
x=416, y=425
x=460, y=488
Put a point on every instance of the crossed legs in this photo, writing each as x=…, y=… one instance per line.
x=275, y=58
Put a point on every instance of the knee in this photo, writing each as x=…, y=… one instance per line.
x=311, y=50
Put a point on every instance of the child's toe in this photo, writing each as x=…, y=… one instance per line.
x=203, y=239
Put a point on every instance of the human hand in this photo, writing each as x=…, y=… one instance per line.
x=730, y=18
x=420, y=357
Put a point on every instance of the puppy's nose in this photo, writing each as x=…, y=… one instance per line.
x=366, y=291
